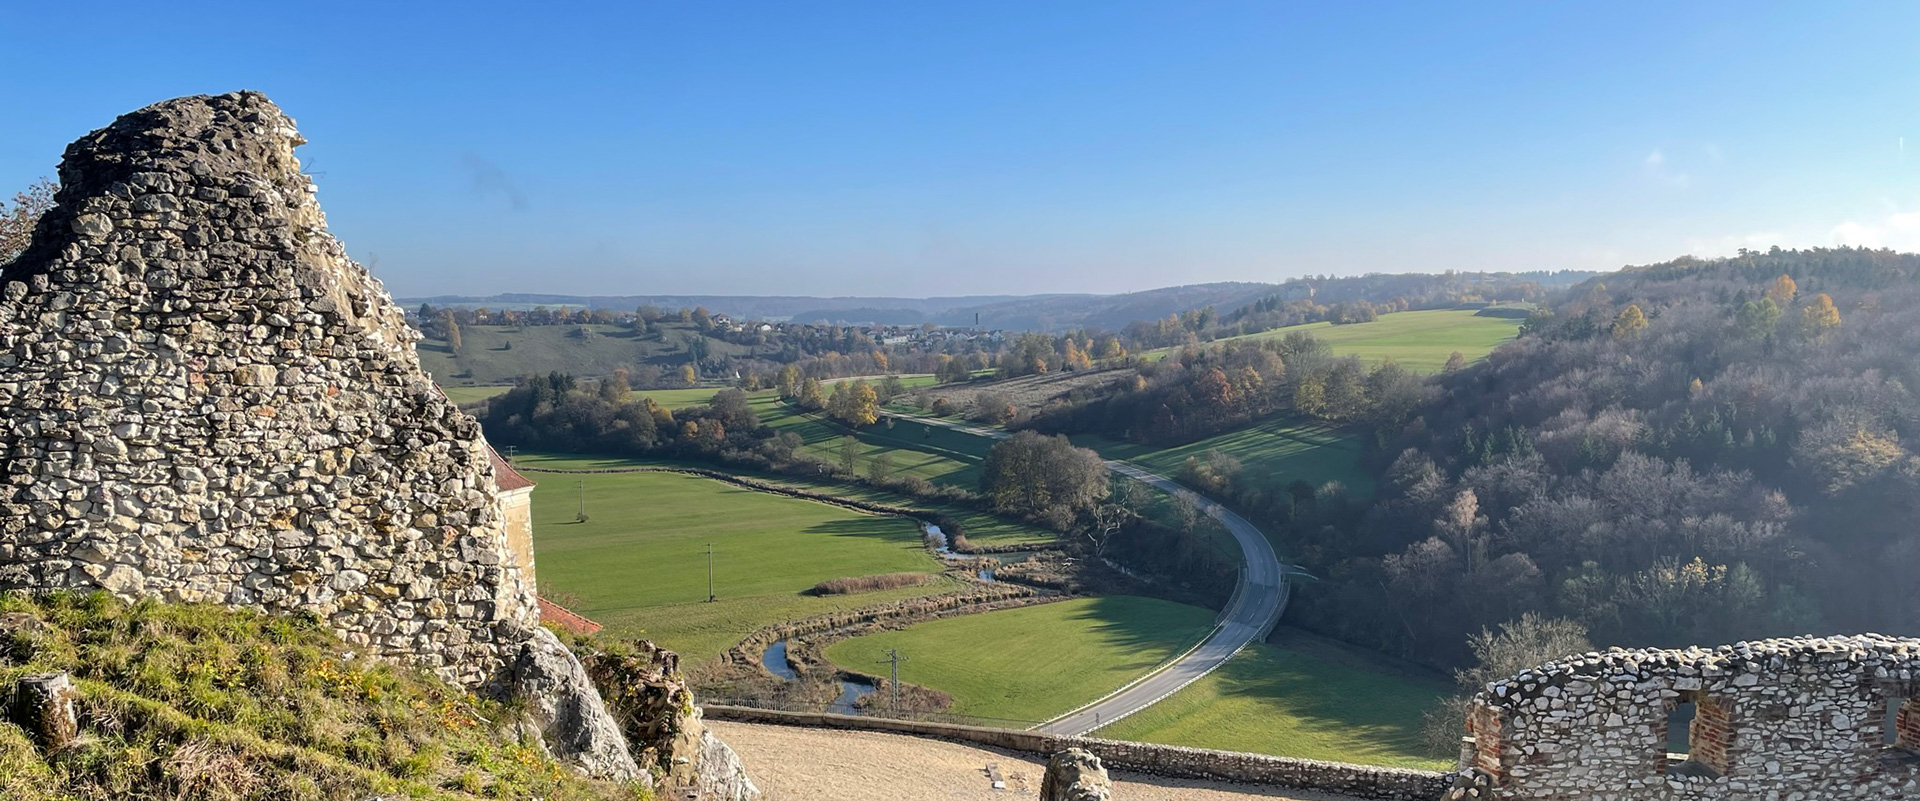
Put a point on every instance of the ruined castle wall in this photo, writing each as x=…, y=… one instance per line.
x=202, y=399
x=1791, y=718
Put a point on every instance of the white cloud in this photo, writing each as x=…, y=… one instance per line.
x=1655, y=166
x=1897, y=230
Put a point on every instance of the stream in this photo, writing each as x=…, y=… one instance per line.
x=946, y=552
x=775, y=660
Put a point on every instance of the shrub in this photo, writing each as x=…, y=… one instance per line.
x=859, y=584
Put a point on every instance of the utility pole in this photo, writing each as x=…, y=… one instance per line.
x=581, y=485
x=893, y=675
x=710, y=596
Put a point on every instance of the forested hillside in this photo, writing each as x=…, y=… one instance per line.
x=1691, y=452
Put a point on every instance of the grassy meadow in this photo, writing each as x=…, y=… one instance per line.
x=939, y=455
x=1282, y=448
x=1299, y=695
x=639, y=563
x=1036, y=662
x=466, y=395
x=1420, y=341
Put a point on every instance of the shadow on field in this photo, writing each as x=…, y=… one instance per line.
x=886, y=529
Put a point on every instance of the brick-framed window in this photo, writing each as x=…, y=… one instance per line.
x=1706, y=728
x=1905, y=732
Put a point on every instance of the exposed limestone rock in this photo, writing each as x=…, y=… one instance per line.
x=650, y=699
x=721, y=776
x=1075, y=775
x=565, y=706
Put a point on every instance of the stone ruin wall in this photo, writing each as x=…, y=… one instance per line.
x=1802, y=718
x=203, y=399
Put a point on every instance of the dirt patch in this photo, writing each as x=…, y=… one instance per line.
x=792, y=763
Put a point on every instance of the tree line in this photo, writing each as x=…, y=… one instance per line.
x=1692, y=452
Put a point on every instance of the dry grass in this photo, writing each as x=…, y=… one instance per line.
x=198, y=702
x=858, y=584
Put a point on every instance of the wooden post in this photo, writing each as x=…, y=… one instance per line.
x=43, y=705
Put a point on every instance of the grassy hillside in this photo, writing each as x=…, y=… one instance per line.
x=1283, y=449
x=639, y=564
x=1300, y=696
x=495, y=354
x=1417, y=340
x=196, y=702
x=1035, y=662
x=937, y=454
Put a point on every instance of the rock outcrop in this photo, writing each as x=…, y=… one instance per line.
x=565, y=706
x=655, y=709
x=1075, y=775
x=202, y=399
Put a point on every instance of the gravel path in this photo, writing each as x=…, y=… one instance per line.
x=799, y=764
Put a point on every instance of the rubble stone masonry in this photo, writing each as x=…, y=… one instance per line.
x=202, y=399
x=1801, y=718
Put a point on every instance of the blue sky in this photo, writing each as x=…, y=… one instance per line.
x=838, y=148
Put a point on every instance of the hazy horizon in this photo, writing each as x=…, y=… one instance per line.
x=1014, y=149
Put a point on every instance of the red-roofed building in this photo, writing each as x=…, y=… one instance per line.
x=565, y=618
x=516, y=498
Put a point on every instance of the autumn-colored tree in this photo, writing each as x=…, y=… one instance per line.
x=855, y=404
x=614, y=388
x=1782, y=290
x=811, y=397
x=1819, y=317
x=17, y=219
x=452, y=329
x=1630, y=323
x=1456, y=361
x=689, y=376
x=880, y=361
x=789, y=381
x=1110, y=348
x=662, y=416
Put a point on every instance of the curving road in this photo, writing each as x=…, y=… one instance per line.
x=1256, y=606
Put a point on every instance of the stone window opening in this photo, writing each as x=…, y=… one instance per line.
x=1902, y=729
x=1697, y=736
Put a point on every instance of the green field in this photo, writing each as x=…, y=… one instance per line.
x=1301, y=696
x=497, y=354
x=679, y=398
x=1417, y=340
x=639, y=565
x=936, y=454
x=465, y=395
x=981, y=527
x=1277, y=451
x=1035, y=662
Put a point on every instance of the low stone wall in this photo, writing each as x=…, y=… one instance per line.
x=1789, y=718
x=1362, y=781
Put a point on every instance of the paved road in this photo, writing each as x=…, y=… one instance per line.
x=1256, y=606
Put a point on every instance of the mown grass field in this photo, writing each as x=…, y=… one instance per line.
x=466, y=395
x=1277, y=450
x=1417, y=340
x=1300, y=696
x=1420, y=341
x=939, y=455
x=639, y=564
x=1036, y=662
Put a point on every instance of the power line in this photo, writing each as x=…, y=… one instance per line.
x=893, y=678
